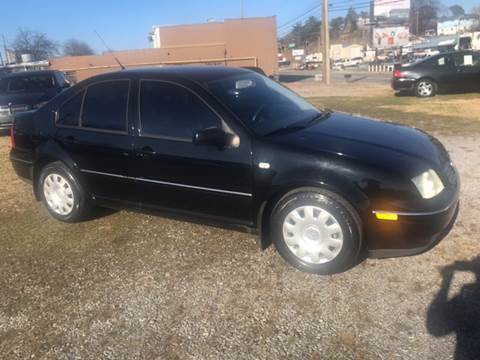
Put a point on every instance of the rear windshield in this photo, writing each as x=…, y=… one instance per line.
x=26, y=83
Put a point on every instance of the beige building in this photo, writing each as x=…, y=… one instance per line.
x=233, y=42
x=338, y=51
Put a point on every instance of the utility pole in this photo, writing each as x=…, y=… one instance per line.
x=371, y=21
x=5, y=49
x=326, y=44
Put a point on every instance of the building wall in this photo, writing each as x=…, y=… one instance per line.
x=236, y=42
x=454, y=27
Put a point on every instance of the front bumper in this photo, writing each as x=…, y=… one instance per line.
x=416, y=233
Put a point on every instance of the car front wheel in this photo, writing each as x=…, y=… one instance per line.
x=61, y=193
x=317, y=232
x=425, y=88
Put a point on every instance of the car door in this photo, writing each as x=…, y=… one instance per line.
x=466, y=71
x=441, y=68
x=92, y=127
x=173, y=173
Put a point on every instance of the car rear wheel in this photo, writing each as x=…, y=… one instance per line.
x=425, y=88
x=317, y=232
x=61, y=193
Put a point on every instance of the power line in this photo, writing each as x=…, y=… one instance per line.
x=300, y=16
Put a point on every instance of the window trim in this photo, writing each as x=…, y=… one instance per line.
x=57, y=112
x=80, y=122
x=166, y=137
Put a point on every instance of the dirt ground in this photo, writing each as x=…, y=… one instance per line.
x=132, y=286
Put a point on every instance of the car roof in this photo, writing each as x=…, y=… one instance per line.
x=195, y=73
x=29, y=73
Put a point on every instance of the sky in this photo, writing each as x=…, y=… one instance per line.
x=125, y=24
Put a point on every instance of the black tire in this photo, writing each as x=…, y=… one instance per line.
x=344, y=214
x=79, y=207
x=425, y=88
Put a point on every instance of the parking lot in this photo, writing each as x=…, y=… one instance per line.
x=124, y=285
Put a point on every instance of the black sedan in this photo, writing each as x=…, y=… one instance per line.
x=233, y=147
x=25, y=91
x=454, y=71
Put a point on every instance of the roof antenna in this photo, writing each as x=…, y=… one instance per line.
x=109, y=50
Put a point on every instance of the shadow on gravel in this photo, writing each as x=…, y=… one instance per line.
x=98, y=213
x=459, y=315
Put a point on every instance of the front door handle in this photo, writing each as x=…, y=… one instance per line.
x=147, y=152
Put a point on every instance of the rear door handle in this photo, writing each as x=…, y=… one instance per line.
x=147, y=152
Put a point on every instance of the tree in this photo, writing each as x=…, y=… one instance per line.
x=35, y=43
x=336, y=26
x=476, y=13
x=457, y=11
x=351, y=21
x=424, y=15
x=74, y=47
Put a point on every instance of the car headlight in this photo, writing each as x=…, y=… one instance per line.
x=428, y=184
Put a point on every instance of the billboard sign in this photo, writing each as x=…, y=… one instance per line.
x=298, y=52
x=392, y=13
x=390, y=37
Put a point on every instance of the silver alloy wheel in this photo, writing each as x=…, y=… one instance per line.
x=313, y=234
x=58, y=194
x=425, y=88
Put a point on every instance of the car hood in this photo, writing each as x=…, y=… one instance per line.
x=27, y=98
x=366, y=140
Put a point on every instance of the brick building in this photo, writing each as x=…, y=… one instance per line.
x=233, y=42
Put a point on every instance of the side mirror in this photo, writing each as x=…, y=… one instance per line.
x=216, y=137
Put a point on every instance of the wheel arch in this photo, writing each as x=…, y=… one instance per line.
x=429, y=78
x=269, y=205
x=46, y=154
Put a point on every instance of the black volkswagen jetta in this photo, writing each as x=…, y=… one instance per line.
x=231, y=146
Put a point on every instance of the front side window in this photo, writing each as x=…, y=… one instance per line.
x=465, y=59
x=260, y=103
x=105, y=106
x=69, y=113
x=172, y=111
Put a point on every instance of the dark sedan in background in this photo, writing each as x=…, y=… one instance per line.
x=27, y=91
x=231, y=146
x=453, y=71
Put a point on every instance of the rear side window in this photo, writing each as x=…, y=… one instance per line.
x=172, y=111
x=105, y=106
x=69, y=113
x=441, y=61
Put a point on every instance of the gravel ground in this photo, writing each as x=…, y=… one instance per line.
x=131, y=286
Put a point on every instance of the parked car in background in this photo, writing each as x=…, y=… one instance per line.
x=453, y=71
x=355, y=62
x=233, y=147
x=337, y=64
x=310, y=65
x=25, y=91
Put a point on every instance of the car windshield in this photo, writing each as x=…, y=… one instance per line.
x=26, y=83
x=262, y=104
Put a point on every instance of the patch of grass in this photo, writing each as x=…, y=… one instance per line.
x=445, y=114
